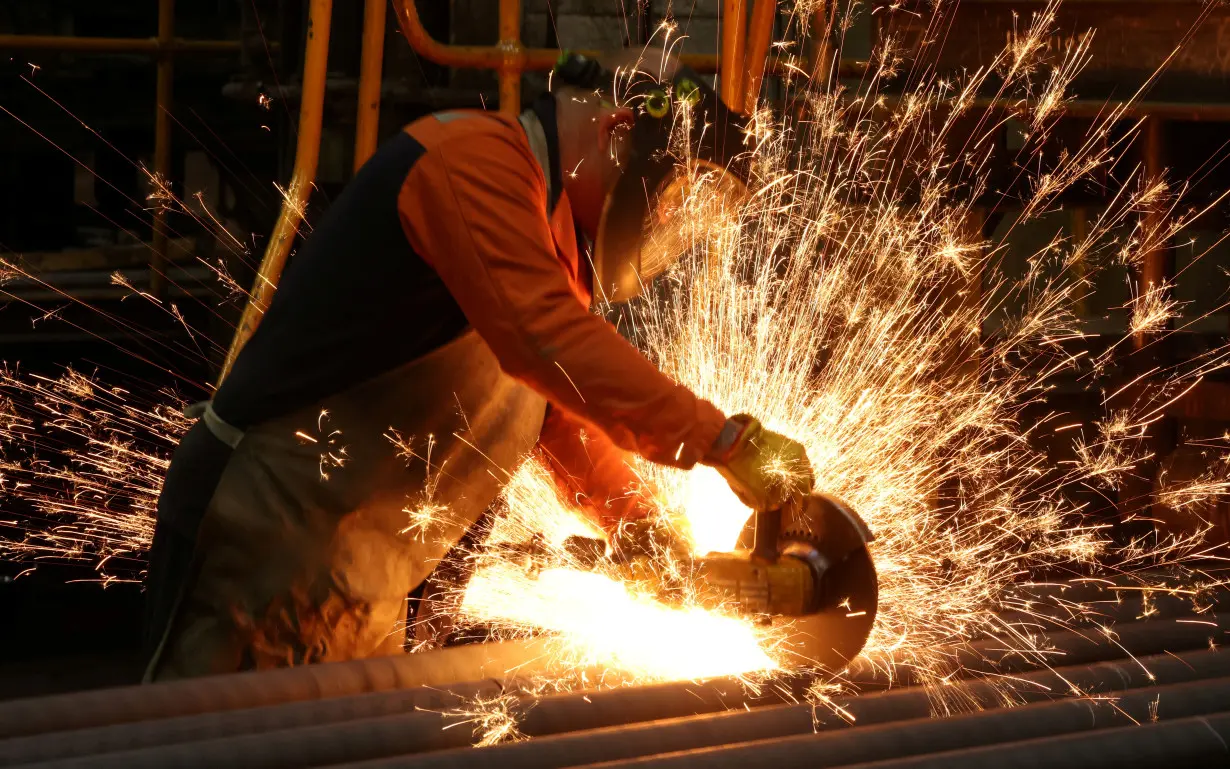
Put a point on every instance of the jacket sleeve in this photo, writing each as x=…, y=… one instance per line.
x=591, y=471
x=475, y=210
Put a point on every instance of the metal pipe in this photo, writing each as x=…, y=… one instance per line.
x=511, y=64
x=1108, y=610
x=760, y=34
x=550, y=714
x=821, y=44
x=416, y=729
x=371, y=65
x=232, y=723
x=162, y=145
x=297, y=193
x=541, y=59
x=1080, y=647
x=1192, y=743
x=734, y=38
x=1091, y=108
x=629, y=740
x=620, y=742
x=148, y=46
x=556, y=714
x=1153, y=274
x=300, y=748
x=492, y=57
x=236, y=691
x=1043, y=722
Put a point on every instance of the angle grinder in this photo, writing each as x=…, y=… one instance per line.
x=805, y=568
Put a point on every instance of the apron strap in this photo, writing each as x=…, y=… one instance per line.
x=223, y=431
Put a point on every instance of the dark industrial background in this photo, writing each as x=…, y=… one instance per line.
x=67, y=212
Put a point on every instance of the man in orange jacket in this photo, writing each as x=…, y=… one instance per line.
x=434, y=329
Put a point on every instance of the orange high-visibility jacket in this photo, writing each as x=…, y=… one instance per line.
x=449, y=226
x=474, y=207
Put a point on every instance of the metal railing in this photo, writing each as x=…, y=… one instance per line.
x=164, y=48
x=508, y=57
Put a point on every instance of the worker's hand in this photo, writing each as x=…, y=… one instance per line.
x=763, y=468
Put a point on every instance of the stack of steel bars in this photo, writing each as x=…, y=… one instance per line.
x=1148, y=692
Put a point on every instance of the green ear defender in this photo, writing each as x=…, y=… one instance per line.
x=657, y=103
x=688, y=92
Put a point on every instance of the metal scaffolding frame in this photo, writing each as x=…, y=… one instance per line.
x=164, y=48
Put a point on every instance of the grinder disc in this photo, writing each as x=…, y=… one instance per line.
x=826, y=533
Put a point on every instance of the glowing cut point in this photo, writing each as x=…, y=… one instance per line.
x=602, y=622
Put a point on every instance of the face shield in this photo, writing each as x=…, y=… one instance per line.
x=644, y=227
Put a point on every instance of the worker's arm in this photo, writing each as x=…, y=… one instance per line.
x=476, y=212
x=591, y=471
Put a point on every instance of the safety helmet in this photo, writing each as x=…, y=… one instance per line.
x=628, y=248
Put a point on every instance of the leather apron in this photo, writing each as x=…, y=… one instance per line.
x=306, y=550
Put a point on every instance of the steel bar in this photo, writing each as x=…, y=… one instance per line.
x=759, y=36
x=236, y=691
x=1077, y=647
x=920, y=736
x=1200, y=742
x=162, y=146
x=556, y=714
x=371, y=67
x=733, y=23
x=307, y=153
x=206, y=726
x=549, y=715
x=299, y=748
x=148, y=46
x=774, y=723
x=1079, y=657
x=1120, y=607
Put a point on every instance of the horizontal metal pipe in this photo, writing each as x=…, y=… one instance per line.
x=1095, y=108
x=306, y=746
x=614, y=743
x=924, y=736
x=345, y=735
x=416, y=732
x=1113, y=608
x=551, y=715
x=541, y=59
x=206, y=726
x=555, y=714
x=774, y=723
x=1072, y=647
x=235, y=691
x=1200, y=742
x=150, y=46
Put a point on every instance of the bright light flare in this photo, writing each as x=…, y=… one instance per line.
x=601, y=622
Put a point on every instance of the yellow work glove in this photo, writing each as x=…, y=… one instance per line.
x=763, y=468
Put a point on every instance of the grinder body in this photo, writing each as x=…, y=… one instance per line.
x=807, y=569
x=788, y=587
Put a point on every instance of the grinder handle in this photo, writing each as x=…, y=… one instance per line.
x=768, y=529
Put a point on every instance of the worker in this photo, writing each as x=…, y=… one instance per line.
x=434, y=330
